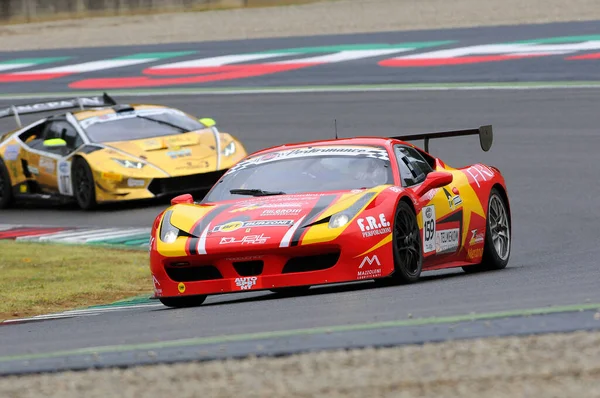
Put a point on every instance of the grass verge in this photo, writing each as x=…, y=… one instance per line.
x=39, y=278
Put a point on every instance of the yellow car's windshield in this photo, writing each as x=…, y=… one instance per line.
x=137, y=125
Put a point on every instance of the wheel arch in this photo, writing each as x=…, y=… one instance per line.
x=502, y=191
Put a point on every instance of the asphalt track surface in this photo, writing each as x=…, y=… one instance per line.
x=546, y=144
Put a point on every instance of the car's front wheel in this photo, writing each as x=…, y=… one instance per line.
x=408, y=258
x=496, y=249
x=5, y=187
x=84, y=187
x=183, y=302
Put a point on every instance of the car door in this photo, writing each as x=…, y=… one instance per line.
x=441, y=218
x=42, y=162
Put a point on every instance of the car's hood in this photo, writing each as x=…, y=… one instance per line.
x=272, y=221
x=182, y=154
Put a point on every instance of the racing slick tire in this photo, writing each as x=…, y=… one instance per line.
x=5, y=187
x=84, y=188
x=183, y=302
x=408, y=256
x=496, y=249
x=291, y=291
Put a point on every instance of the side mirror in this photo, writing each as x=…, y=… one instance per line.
x=435, y=179
x=182, y=199
x=208, y=122
x=55, y=143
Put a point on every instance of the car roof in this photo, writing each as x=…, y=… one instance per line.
x=94, y=112
x=365, y=141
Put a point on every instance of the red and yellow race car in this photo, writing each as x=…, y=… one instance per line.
x=294, y=216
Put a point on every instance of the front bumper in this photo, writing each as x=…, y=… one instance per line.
x=288, y=267
x=147, y=188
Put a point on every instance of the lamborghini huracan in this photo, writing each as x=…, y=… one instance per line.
x=101, y=151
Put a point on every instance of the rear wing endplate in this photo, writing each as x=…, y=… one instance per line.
x=69, y=103
x=486, y=136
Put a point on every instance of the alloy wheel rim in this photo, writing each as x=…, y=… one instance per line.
x=499, y=227
x=407, y=241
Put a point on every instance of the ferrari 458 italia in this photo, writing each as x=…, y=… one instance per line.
x=294, y=216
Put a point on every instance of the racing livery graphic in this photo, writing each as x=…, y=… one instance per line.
x=105, y=151
x=294, y=216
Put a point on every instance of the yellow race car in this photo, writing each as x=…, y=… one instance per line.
x=101, y=151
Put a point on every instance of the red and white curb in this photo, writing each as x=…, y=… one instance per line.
x=117, y=236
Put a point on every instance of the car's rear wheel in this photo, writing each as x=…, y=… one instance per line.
x=84, y=188
x=183, y=302
x=496, y=249
x=5, y=187
x=291, y=291
x=408, y=258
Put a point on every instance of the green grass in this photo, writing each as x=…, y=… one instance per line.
x=40, y=278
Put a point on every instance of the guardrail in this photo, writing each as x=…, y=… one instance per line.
x=16, y=11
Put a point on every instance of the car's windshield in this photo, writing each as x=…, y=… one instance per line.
x=308, y=169
x=139, y=124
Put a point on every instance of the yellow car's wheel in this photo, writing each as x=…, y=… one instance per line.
x=5, y=187
x=84, y=188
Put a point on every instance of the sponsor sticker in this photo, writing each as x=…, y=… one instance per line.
x=47, y=164
x=371, y=226
x=446, y=241
x=338, y=150
x=480, y=173
x=246, y=240
x=180, y=153
x=247, y=258
x=453, y=200
x=281, y=212
x=254, y=206
x=473, y=254
x=33, y=170
x=476, y=237
x=135, y=183
x=127, y=115
x=428, y=213
x=11, y=153
x=369, y=272
x=157, y=288
x=235, y=225
x=181, y=287
x=65, y=187
x=193, y=164
x=247, y=283
x=395, y=189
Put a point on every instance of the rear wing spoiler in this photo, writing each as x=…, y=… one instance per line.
x=69, y=103
x=485, y=133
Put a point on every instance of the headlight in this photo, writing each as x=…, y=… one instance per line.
x=168, y=232
x=129, y=164
x=229, y=149
x=338, y=220
x=343, y=217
